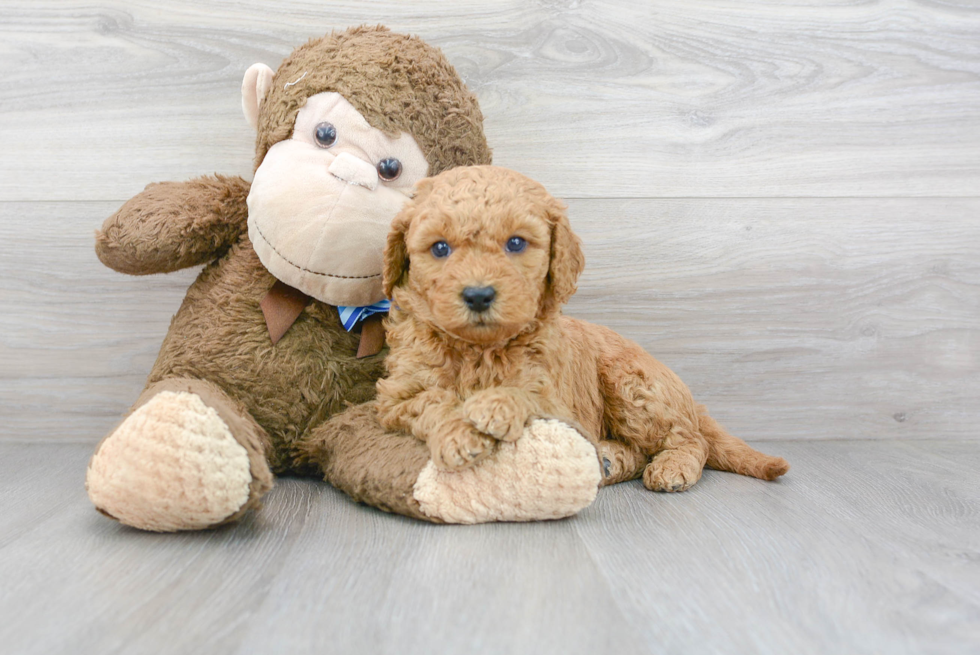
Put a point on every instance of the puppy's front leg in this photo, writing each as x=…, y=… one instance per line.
x=501, y=412
x=435, y=417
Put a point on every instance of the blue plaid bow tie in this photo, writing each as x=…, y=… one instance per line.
x=349, y=316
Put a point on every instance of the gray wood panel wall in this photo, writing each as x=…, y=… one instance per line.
x=781, y=201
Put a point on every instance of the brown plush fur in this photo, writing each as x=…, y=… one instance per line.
x=219, y=334
x=367, y=462
x=398, y=83
x=173, y=225
x=460, y=379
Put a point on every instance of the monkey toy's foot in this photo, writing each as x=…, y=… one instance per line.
x=550, y=472
x=173, y=464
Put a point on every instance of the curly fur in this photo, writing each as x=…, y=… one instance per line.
x=461, y=380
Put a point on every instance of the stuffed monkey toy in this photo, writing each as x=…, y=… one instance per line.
x=270, y=364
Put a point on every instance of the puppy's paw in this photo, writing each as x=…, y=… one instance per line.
x=620, y=462
x=672, y=470
x=497, y=413
x=459, y=446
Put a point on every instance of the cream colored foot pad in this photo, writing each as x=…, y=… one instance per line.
x=550, y=472
x=171, y=465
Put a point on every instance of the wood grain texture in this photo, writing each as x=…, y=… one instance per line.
x=857, y=531
x=779, y=200
x=865, y=547
x=790, y=319
x=830, y=318
x=595, y=99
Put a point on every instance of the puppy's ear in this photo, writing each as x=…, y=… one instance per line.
x=423, y=188
x=396, y=253
x=567, y=258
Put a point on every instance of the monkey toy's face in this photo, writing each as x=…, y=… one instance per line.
x=322, y=201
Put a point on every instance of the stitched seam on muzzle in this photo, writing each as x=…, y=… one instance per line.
x=306, y=270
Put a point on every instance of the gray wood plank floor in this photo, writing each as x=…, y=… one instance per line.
x=865, y=547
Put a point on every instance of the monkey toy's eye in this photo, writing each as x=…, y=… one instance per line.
x=440, y=249
x=515, y=244
x=389, y=169
x=325, y=135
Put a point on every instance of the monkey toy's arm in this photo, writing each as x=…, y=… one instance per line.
x=173, y=225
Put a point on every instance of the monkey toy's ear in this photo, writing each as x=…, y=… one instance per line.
x=255, y=86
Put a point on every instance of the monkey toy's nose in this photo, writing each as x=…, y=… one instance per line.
x=479, y=299
x=354, y=170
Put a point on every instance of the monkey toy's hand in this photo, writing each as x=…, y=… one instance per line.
x=173, y=225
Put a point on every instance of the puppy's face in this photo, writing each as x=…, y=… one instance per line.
x=480, y=253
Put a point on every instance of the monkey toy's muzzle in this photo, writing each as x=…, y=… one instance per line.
x=318, y=231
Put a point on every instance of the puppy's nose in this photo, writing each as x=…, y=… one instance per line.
x=479, y=299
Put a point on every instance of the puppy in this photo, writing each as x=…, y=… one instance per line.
x=478, y=266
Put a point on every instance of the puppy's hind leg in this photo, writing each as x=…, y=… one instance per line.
x=679, y=461
x=648, y=407
x=645, y=417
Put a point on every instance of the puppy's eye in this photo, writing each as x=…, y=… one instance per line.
x=440, y=249
x=515, y=244
x=389, y=169
x=325, y=135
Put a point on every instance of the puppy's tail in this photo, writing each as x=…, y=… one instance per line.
x=728, y=453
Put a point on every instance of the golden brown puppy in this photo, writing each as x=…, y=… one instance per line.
x=478, y=266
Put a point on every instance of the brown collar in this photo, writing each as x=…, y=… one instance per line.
x=283, y=304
